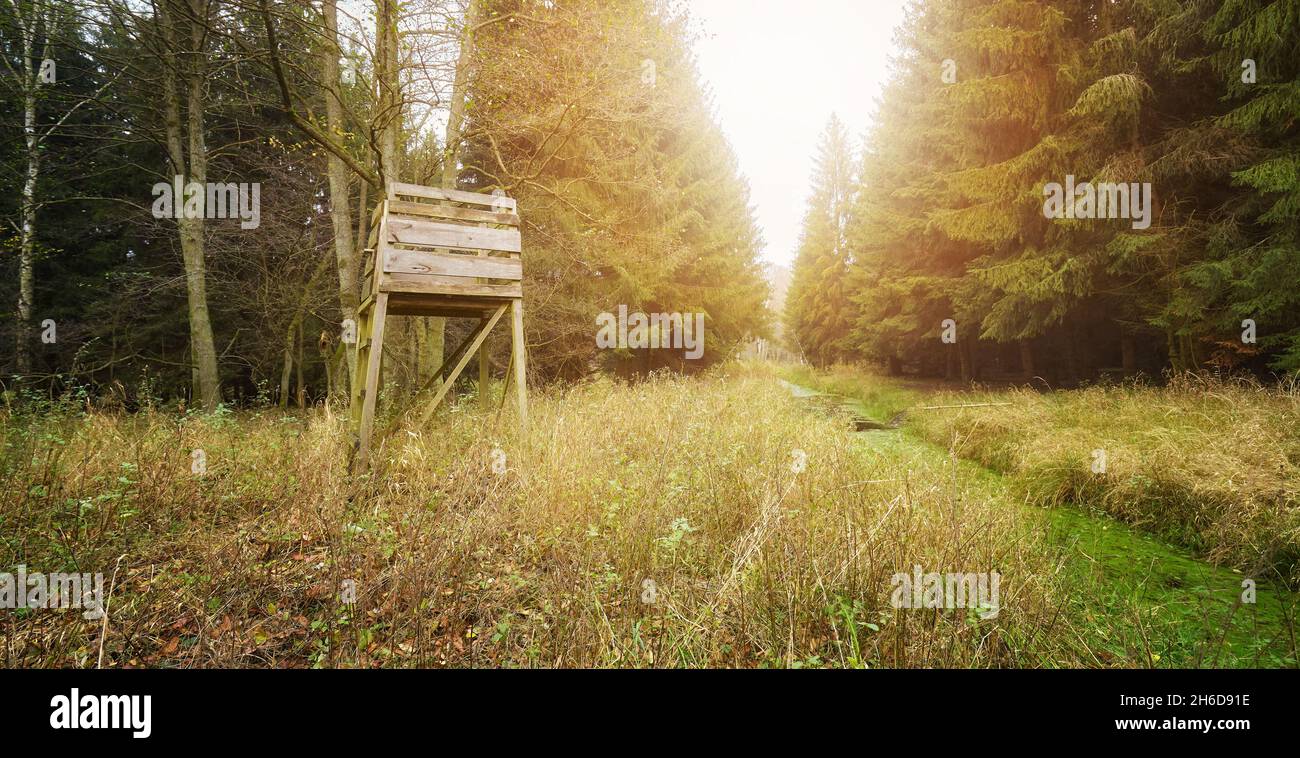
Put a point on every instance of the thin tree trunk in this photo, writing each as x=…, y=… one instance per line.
x=1191, y=353
x=1027, y=359
x=1128, y=354
x=31, y=83
x=433, y=334
x=302, y=385
x=27, y=245
x=346, y=251
x=327, y=360
x=363, y=227
x=420, y=345
x=459, y=90
x=207, y=389
x=389, y=97
x=295, y=331
x=1171, y=343
x=287, y=370
x=40, y=20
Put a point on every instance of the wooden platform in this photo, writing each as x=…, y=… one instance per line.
x=438, y=252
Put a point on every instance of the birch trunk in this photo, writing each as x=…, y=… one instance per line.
x=29, y=27
x=27, y=244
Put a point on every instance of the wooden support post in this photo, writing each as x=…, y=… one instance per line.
x=375, y=354
x=358, y=354
x=519, y=357
x=483, y=369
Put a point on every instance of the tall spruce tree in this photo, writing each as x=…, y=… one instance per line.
x=818, y=311
x=1263, y=243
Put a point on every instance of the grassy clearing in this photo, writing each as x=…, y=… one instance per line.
x=1133, y=598
x=688, y=483
x=1211, y=465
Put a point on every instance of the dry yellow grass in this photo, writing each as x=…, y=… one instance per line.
x=686, y=483
x=1214, y=465
x=1211, y=464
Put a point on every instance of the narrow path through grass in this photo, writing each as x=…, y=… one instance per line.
x=1137, y=600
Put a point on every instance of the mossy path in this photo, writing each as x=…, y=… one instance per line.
x=1135, y=600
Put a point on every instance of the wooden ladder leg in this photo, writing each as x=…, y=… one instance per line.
x=359, y=357
x=376, y=354
x=483, y=369
x=518, y=357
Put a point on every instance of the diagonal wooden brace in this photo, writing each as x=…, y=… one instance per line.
x=466, y=350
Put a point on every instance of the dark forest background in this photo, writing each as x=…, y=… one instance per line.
x=588, y=112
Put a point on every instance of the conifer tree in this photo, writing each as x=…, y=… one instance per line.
x=1258, y=59
x=592, y=115
x=818, y=310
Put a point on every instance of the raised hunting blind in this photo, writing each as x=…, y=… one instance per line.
x=439, y=252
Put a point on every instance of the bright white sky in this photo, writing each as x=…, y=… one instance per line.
x=777, y=70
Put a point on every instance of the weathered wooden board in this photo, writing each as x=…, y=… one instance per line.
x=419, y=283
x=434, y=234
x=451, y=264
x=423, y=308
x=453, y=302
x=444, y=211
x=397, y=189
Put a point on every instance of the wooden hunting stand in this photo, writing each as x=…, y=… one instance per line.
x=437, y=252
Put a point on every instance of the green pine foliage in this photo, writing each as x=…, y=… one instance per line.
x=1264, y=252
x=992, y=100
